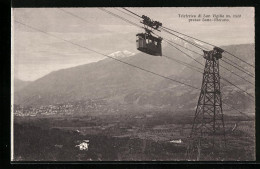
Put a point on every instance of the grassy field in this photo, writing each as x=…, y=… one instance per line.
x=126, y=137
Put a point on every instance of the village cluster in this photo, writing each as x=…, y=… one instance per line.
x=64, y=109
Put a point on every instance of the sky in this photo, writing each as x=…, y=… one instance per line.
x=35, y=54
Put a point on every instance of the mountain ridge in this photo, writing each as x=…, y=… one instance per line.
x=117, y=83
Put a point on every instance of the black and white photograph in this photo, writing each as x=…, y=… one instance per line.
x=133, y=84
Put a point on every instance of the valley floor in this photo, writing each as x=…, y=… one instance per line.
x=138, y=137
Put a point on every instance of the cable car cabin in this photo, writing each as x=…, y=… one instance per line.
x=149, y=44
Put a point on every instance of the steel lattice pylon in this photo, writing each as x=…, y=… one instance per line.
x=207, y=137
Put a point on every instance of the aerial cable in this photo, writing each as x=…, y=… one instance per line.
x=237, y=87
x=240, y=59
x=165, y=28
x=200, y=71
x=187, y=35
x=132, y=12
x=249, y=118
x=192, y=43
x=222, y=77
x=185, y=64
x=183, y=52
x=233, y=62
x=73, y=14
x=210, y=44
x=202, y=56
x=175, y=47
x=127, y=14
x=168, y=41
x=238, y=67
x=236, y=74
x=106, y=55
x=111, y=13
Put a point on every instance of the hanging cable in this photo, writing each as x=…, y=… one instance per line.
x=236, y=74
x=238, y=68
x=222, y=77
x=187, y=36
x=73, y=14
x=238, y=87
x=234, y=63
x=202, y=56
x=111, y=13
x=240, y=59
x=127, y=14
x=167, y=42
x=192, y=43
x=202, y=49
x=200, y=71
x=132, y=12
x=229, y=63
x=108, y=56
x=184, y=53
x=170, y=41
x=165, y=28
x=231, y=107
x=185, y=64
x=211, y=45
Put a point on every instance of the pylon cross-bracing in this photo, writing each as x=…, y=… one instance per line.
x=207, y=138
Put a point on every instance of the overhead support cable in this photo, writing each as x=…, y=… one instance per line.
x=75, y=44
x=238, y=87
x=127, y=14
x=210, y=45
x=73, y=15
x=183, y=52
x=165, y=28
x=226, y=58
x=190, y=57
x=108, y=56
x=132, y=12
x=239, y=68
x=244, y=114
x=169, y=42
x=224, y=78
x=190, y=42
x=126, y=20
x=185, y=64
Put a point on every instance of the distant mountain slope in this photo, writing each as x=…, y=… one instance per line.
x=167, y=94
x=102, y=79
x=118, y=83
x=20, y=84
